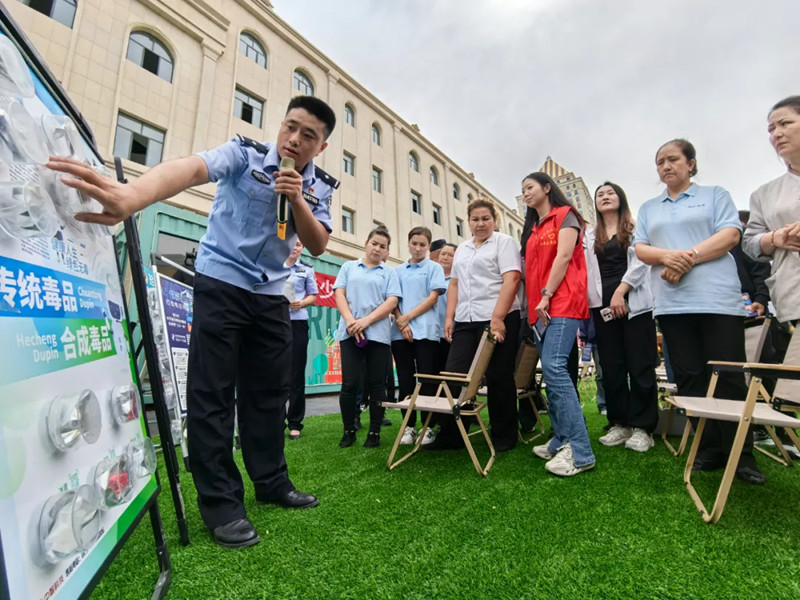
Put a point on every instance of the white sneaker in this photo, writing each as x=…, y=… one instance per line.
x=563, y=465
x=409, y=436
x=640, y=441
x=616, y=435
x=543, y=452
x=430, y=435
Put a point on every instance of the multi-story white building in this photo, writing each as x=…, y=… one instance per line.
x=573, y=187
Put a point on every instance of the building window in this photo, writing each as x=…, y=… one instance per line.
x=349, y=164
x=303, y=84
x=434, y=176
x=510, y=230
x=62, y=11
x=413, y=161
x=469, y=197
x=376, y=134
x=416, y=203
x=247, y=108
x=456, y=192
x=437, y=214
x=138, y=142
x=150, y=54
x=348, y=221
x=252, y=49
x=459, y=227
x=377, y=180
x=349, y=115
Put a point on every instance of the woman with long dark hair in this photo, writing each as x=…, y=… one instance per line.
x=555, y=281
x=622, y=310
x=686, y=234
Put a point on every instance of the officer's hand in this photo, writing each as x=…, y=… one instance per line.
x=290, y=183
x=119, y=200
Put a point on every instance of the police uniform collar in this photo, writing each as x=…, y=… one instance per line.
x=690, y=192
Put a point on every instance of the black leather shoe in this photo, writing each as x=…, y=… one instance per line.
x=750, y=474
x=443, y=443
x=708, y=462
x=348, y=439
x=386, y=422
x=373, y=440
x=236, y=534
x=503, y=446
x=293, y=499
x=357, y=423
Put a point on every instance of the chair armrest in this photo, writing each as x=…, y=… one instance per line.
x=452, y=373
x=758, y=369
x=460, y=379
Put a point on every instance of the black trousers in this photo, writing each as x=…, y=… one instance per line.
x=297, y=387
x=419, y=356
x=502, y=393
x=375, y=356
x=239, y=357
x=628, y=357
x=693, y=340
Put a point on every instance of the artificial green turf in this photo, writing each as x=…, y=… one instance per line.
x=433, y=528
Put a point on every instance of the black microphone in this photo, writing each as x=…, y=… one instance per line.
x=283, y=202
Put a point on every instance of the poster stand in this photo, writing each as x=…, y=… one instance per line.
x=151, y=359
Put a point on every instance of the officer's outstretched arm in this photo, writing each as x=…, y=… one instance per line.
x=119, y=200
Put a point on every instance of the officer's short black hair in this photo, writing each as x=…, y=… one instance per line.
x=316, y=107
x=438, y=244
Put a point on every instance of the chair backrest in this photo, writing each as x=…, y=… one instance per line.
x=527, y=359
x=789, y=389
x=755, y=334
x=478, y=367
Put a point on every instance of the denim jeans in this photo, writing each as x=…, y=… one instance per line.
x=564, y=407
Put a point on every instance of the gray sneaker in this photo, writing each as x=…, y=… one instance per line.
x=543, y=452
x=640, y=441
x=563, y=464
x=616, y=435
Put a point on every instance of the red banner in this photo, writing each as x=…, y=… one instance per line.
x=325, y=285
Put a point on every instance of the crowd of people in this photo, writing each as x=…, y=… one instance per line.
x=681, y=267
x=675, y=267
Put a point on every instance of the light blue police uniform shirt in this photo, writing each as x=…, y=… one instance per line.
x=241, y=245
x=304, y=283
x=417, y=281
x=696, y=215
x=367, y=288
x=441, y=307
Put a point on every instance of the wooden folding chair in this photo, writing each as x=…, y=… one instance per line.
x=755, y=334
x=781, y=399
x=529, y=386
x=747, y=413
x=443, y=402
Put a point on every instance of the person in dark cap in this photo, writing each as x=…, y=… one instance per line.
x=436, y=247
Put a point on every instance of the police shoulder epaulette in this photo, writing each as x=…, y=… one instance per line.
x=305, y=264
x=331, y=181
x=245, y=141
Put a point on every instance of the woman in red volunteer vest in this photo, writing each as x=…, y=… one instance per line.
x=555, y=282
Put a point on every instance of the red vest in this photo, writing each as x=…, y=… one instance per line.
x=570, y=299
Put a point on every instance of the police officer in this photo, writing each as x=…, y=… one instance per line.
x=301, y=291
x=240, y=352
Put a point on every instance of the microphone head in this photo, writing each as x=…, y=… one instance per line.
x=287, y=163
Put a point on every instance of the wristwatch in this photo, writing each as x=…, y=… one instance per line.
x=545, y=292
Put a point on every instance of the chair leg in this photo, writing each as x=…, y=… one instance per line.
x=485, y=470
x=793, y=436
x=391, y=465
x=784, y=457
x=538, y=423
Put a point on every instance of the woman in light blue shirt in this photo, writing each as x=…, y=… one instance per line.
x=686, y=234
x=366, y=293
x=416, y=331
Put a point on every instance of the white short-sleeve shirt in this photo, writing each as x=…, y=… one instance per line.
x=479, y=272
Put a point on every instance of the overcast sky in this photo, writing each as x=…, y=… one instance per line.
x=498, y=85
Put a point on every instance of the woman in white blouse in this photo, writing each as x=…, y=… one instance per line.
x=483, y=293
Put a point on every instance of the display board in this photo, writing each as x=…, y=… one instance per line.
x=177, y=305
x=76, y=465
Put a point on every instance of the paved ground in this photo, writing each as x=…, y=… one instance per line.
x=321, y=405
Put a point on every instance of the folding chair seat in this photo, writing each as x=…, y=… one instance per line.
x=747, y=413
x=755, y=334
x=443, y=402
